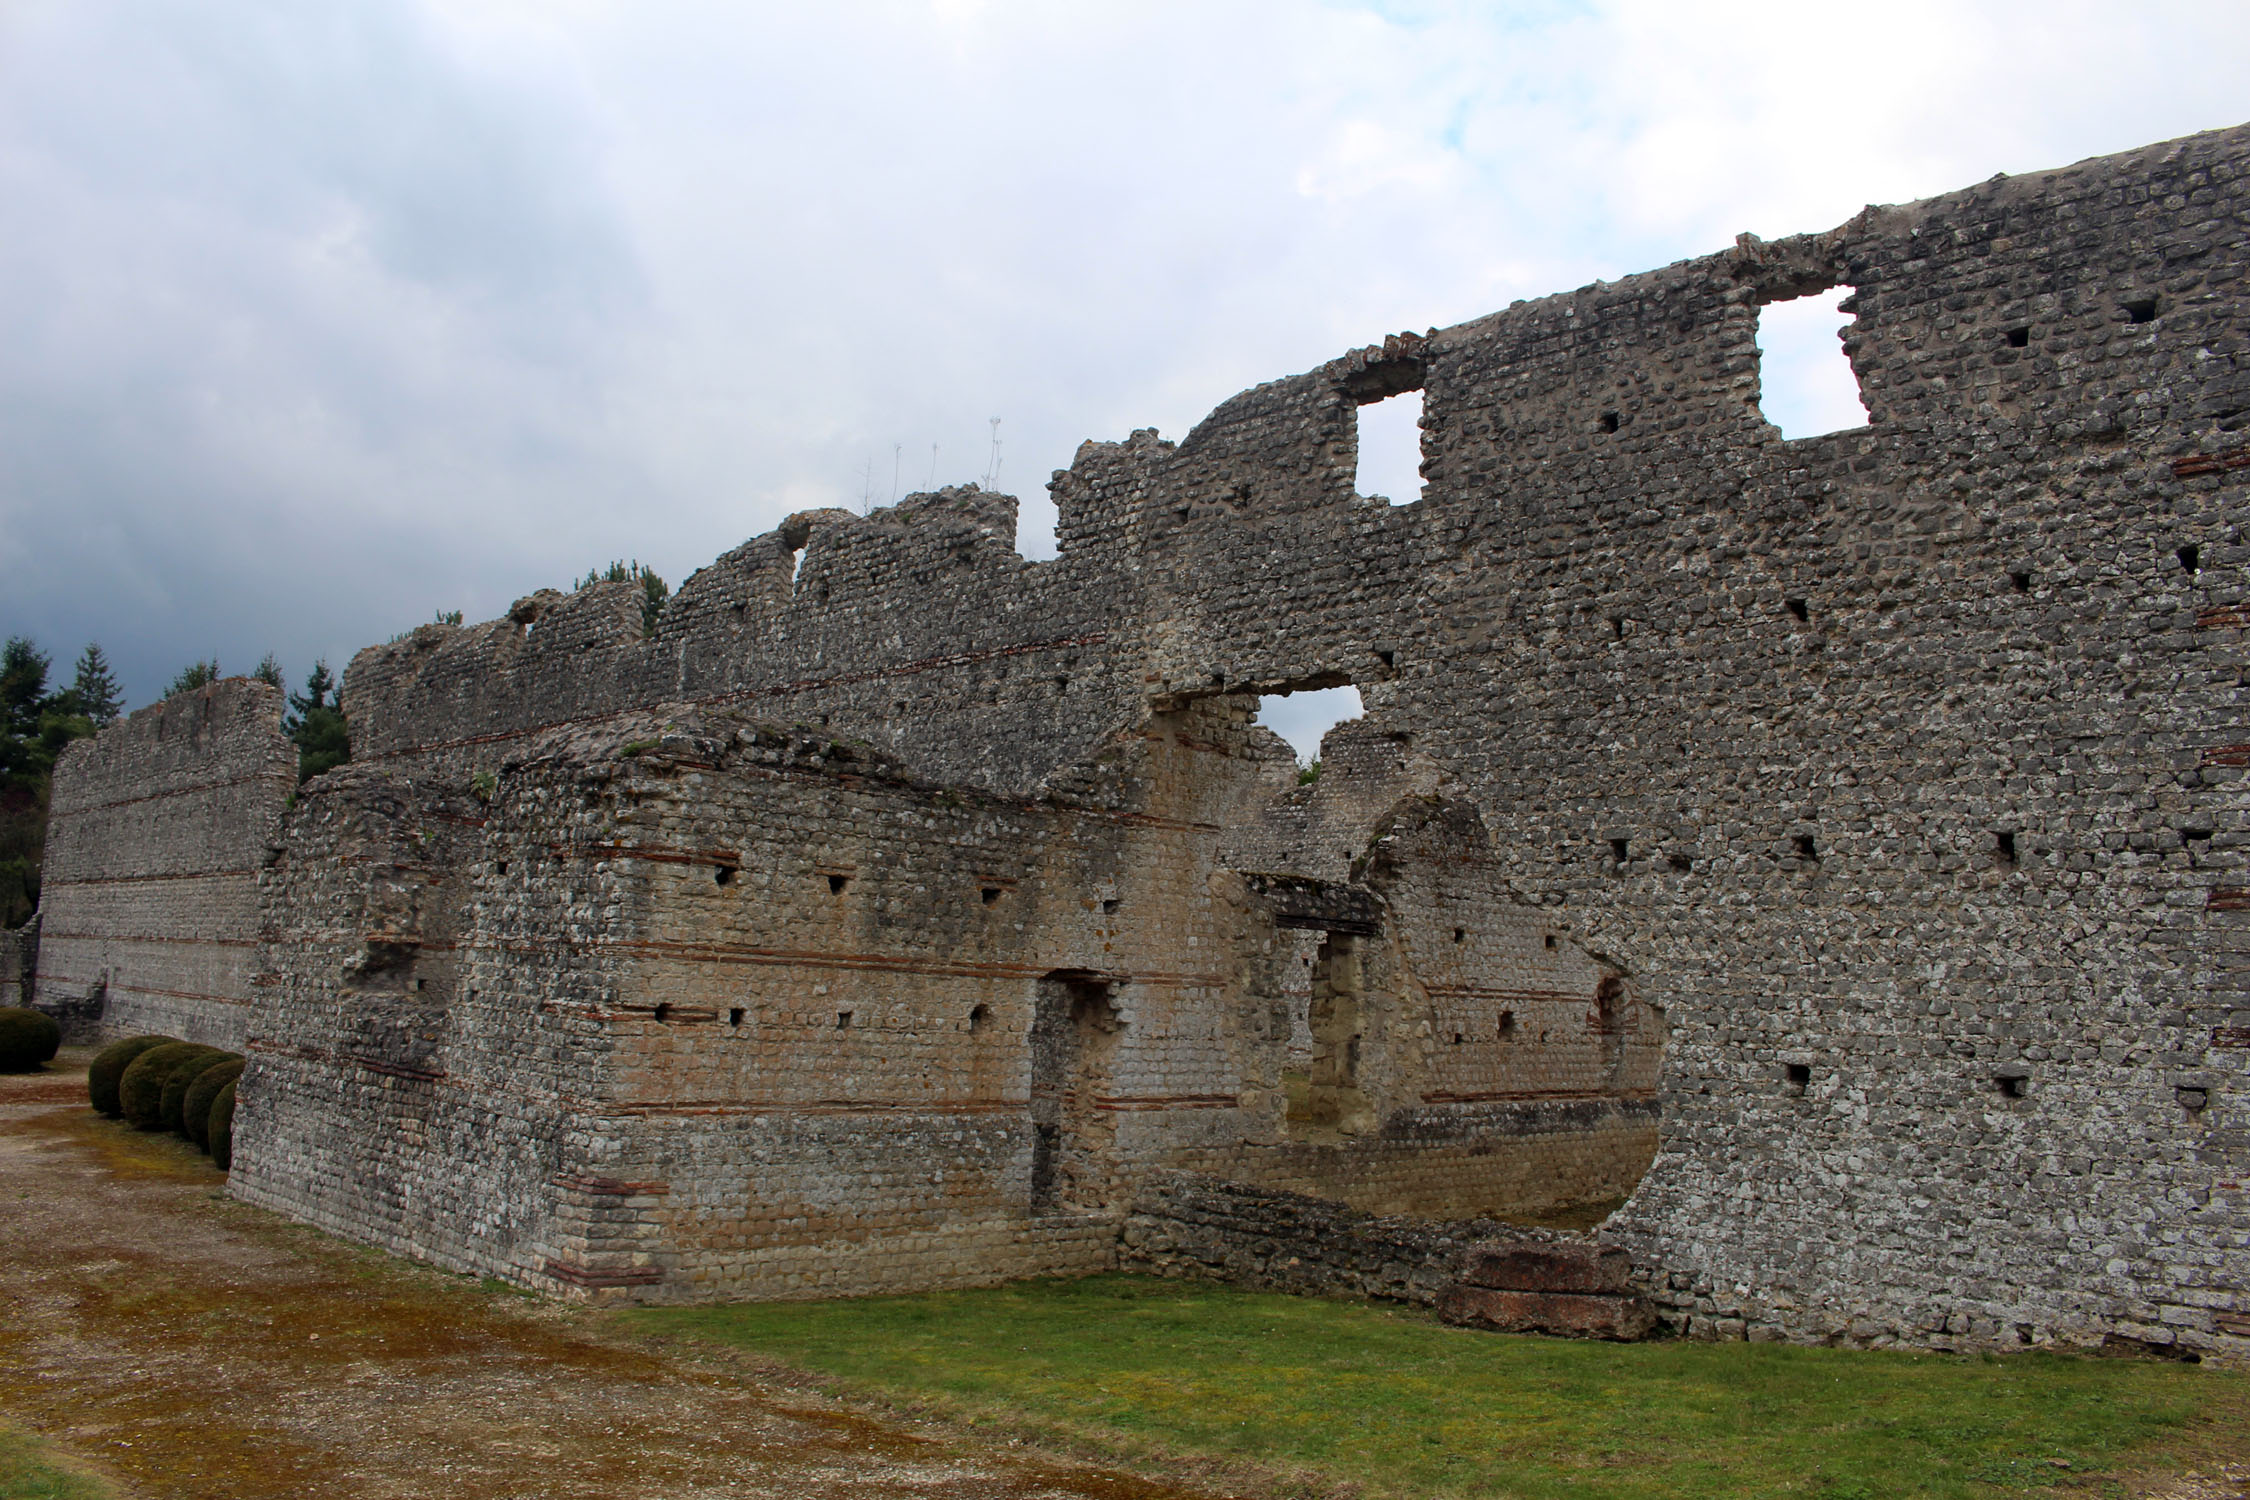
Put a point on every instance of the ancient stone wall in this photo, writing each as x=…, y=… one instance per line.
x=1882, y=795
x=156, y=830
x=1900, y=765
x=917, y=628
x=691, y=1006
x=1186, y=1224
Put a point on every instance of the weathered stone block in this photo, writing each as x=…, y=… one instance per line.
x=1561, y=1267
x=1576, y=1315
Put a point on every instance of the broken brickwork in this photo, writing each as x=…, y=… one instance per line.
x=1833, y=848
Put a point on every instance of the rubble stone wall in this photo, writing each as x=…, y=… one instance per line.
x=156, y=830
x=1187, y=1224
x=1883, y=794
x=694, y=1007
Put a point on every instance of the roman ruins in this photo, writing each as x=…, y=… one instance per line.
x=1825, y=858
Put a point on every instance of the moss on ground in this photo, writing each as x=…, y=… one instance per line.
x=1389, y=1399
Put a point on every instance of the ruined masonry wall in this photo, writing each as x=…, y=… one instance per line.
x=918, y=629
x=1750, y=717
x=1902, y=770
x=156, y=829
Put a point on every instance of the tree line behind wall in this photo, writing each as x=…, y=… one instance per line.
x=37, y=720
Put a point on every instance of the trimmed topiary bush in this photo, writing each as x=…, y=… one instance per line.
x=140, y=1088
x=27, y=1038
x=195, y=1108
x=103, y=1072
x=176, y=1086
x=219, y=1129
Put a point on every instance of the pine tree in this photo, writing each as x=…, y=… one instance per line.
x=316, y=723
x=268, y=671
x=23, y=687
x=95, y=687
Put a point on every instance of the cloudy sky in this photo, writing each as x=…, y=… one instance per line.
x=316, y=319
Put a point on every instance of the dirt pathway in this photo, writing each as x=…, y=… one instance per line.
x=189, y=1346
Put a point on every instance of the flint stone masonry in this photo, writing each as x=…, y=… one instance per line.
x=1833, y=849
x=149, y=898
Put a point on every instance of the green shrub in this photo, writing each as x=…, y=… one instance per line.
x=27, y=1038
x=140, y=1088
x=102, y=1073
x=195, y=1108
x=183, y=1076
x=219, y=1129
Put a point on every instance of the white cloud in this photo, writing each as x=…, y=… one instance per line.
x=324, y=318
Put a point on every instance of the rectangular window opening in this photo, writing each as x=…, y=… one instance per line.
x=1390, y=449
x=1806, y=384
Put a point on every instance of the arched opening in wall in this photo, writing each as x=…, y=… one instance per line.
x=1390, y=449
x=1075, y=1033
x=1304, y=718
x=1806, y=385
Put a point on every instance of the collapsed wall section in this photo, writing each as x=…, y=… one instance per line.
x=1452, y=1053
x=156, y=830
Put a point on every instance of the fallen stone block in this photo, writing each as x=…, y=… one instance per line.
x=1579, y=1315
x=1601, y=1269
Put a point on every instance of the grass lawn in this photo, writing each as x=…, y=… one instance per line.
x=1394, y=1401
x=26, y=1475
